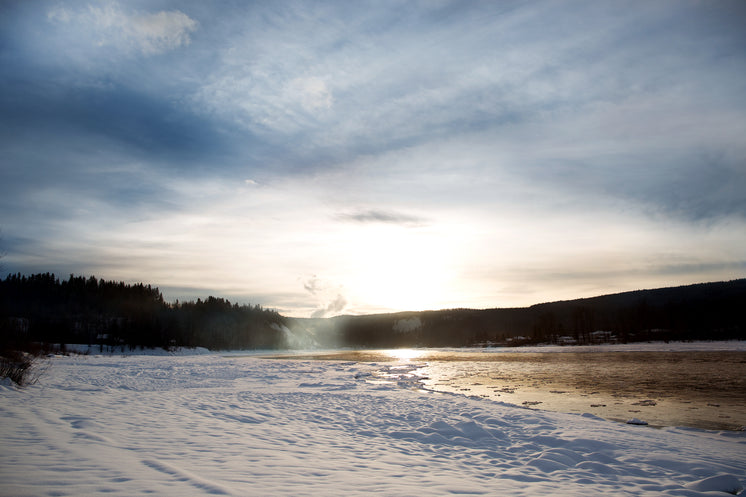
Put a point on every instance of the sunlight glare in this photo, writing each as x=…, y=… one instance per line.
x=402, y=269
x=405, y=354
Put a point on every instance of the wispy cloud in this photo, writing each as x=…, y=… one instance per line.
x=312, y=285
x=382, y=216
x=108, y=24
x=329, y=297
x=334, y=307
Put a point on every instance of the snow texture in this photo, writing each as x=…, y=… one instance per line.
x=217, y=425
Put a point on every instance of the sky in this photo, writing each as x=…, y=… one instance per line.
x=326, y=158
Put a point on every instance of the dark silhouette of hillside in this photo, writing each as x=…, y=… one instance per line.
x=707, y=311
x=116, y=316
x=41, y=309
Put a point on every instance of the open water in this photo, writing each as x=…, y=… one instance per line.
x=700, y=389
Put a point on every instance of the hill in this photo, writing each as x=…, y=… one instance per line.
x=41, y=309
x=705, y=311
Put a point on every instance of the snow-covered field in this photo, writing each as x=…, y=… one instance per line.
x=215, y=425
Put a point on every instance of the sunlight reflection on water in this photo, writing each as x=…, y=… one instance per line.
x=405, y=354
x=693, y=388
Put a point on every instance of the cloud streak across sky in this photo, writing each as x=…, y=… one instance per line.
x=408, y=155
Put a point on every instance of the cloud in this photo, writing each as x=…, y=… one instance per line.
x=560, y=106
x=381, y=216
x=324, y=291
x=266, y=100
x=334, y=307
x=312, y=93
x=108, y=25
x=312, y=285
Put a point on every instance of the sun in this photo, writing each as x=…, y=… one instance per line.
x=402, y=269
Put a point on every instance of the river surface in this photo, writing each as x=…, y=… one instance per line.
x=700, y=389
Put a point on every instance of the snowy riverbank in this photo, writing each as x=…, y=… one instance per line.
x=215, y=425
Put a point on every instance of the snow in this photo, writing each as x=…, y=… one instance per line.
x=720, y=483
x=209, y=424
x=635, y=421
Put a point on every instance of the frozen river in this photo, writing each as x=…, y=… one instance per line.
x=694, y=388
x=201, y=423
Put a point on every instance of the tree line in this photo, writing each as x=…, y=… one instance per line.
x=116, y=316
x=111, y=315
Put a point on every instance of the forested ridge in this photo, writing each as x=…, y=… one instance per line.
x=111, y=316
x=705, y=311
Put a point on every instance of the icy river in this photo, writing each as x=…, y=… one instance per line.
x=691, y=388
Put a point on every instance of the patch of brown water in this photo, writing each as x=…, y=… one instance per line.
x=692, y=388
